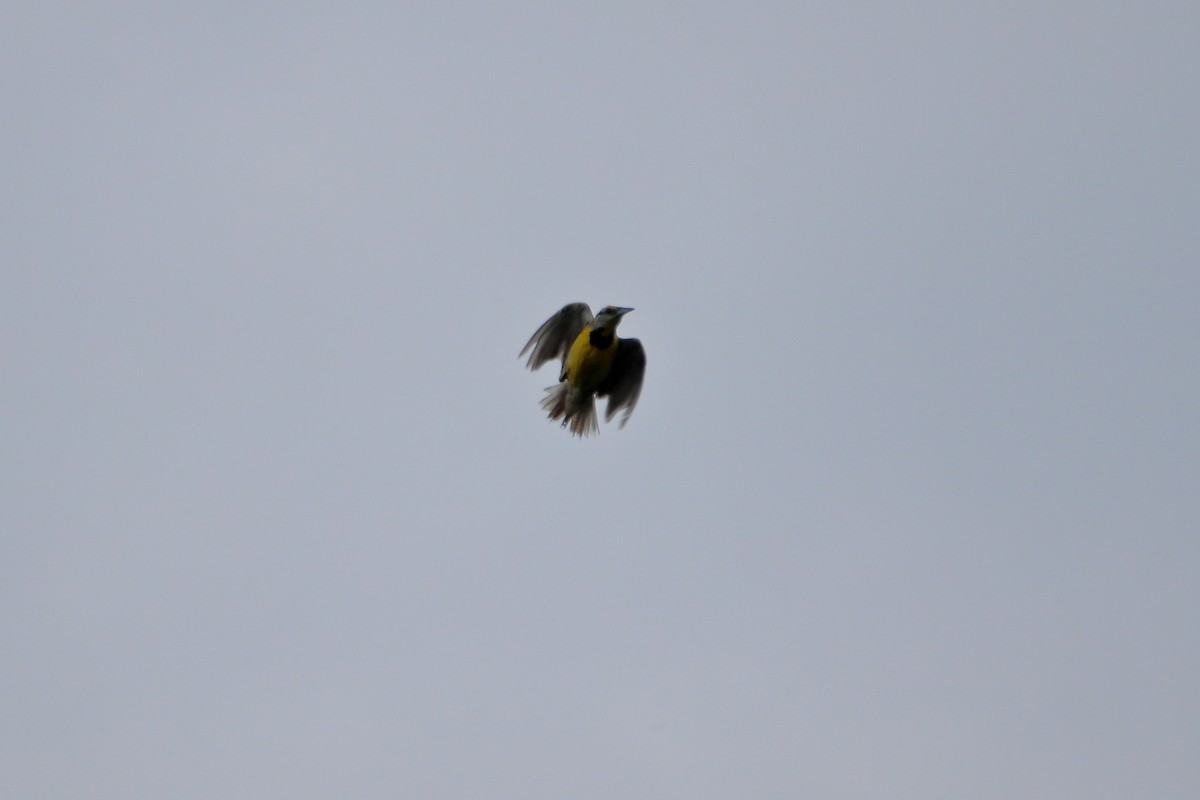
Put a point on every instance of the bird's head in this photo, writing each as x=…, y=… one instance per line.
x=608, y=318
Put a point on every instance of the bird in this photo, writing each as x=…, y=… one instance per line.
x=595, y=363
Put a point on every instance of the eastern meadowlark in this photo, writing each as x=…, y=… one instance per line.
x=595, y=363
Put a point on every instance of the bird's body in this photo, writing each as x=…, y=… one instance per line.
x=590, y=358
x=594, y=363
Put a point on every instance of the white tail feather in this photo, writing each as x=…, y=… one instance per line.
x=576, y=408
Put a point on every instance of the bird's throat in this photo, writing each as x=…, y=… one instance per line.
x=600, y=339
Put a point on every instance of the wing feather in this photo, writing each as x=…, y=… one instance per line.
x=554, y=338
x=624, y=381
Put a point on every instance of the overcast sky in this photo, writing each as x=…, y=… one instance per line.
x=908, y=508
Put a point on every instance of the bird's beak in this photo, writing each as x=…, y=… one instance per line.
x=623, y=311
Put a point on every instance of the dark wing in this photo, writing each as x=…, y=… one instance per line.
x=624, y=381
x=556, y=335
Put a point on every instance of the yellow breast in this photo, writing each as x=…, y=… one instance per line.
x=587, y=365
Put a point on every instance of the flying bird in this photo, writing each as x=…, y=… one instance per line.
x=595, y=363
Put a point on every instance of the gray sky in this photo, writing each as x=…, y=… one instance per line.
x=908, y=508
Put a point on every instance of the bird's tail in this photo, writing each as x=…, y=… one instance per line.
x=576, y=408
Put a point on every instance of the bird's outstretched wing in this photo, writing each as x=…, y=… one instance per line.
x=556, y=335
x=624, y=381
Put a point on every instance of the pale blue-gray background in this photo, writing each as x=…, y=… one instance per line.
x=908, y=508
